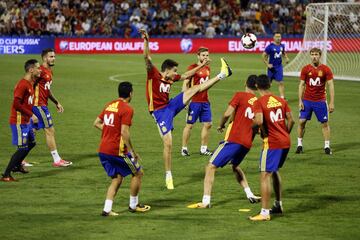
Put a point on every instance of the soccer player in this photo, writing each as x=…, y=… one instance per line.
x=116, y=152
x=237, y=143
x=199, y=107
x=312, y=97
x=274, y=117
x=272, y=58
x=163, y=110
x=40, y=109
x=20, y=119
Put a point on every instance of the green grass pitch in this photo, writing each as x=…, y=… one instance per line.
x=320, y=196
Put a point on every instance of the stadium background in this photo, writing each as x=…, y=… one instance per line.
x=320, y=193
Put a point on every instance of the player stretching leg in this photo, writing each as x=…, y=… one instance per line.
x=116, y=152
x=237, y=143
x=163, y=110
x=312, y=98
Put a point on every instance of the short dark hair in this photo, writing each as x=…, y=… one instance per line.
x=46, y=51
x=168, y=64
x=277, y=32
x=318, y=50
x=251, y=81
x=124, y=89
x=30, y=64
x=263, y=82
x=202, y=49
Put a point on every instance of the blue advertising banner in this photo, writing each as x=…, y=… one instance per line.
x=25, y=45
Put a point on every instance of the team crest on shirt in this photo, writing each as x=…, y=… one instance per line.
x=272, y=102
x=310, y=74
x=320, y=73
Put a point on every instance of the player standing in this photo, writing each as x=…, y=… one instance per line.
x=40, y=109
x=116, y=152
x=163, y=110
x=272, y=58
x=312, y=97
x=20, y=119
x=199, y=108
x=274, y=117
x=237, y=143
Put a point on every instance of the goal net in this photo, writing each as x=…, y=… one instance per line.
x=335, y=29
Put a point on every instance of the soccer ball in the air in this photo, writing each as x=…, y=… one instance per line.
x=248, y=40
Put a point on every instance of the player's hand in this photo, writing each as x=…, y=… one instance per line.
x=301, y=105
x=34, y=118
x=206, y=62
x=287, y=60
x=220, y=129
x=331, y=107
x=270, y=65
x=144, y=34
x=59, y=108
x=136, y=156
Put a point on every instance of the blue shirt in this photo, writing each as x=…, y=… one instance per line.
x=275, y=52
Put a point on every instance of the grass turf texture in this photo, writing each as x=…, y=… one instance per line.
x=320, y=195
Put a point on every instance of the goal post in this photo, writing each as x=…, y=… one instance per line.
x=335, y=29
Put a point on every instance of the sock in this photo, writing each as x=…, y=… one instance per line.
x=108, y=205
x=55, y=156
x=15, y=160
x=168, y=175
x=203, y=148
x=299, y=141
x=264, y=212
x=277, y=203
x=133, y=202
x=283, y=97
x=327, y=144
x=206, y=199
x=248, y=192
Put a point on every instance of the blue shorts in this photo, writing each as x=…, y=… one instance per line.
x=275, y=73
x=228, y=151
x=319, y=108
x=114, y=165
x=44, y=116
x=22, y=135
x=272, y=159
x=164, y=117
x=199, y=110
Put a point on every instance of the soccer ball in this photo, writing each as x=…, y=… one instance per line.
x=248, y=40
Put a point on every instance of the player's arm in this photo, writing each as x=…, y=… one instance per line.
x=287, y=60
x=265, y=58
x=59, y=107
x=191, y=72
x=301, y=94
x=186, y=85
x=290, y=121
x=227, y=114
x=331, y=88
x=98, y=123
x=147, y=57
x=125, y=134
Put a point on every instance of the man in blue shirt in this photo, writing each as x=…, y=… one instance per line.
x=272, y=57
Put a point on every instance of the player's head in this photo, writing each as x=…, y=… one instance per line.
x=202, y=54
x=32, y=66
x=125, y=90
x=48, y=56
x=169, y=69
x=277, y=37
x=263, y=82
x=251, y=82
x=315, y=55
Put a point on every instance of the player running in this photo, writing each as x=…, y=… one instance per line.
x=40, y=109
x=116, y=152
x=237, y=143
x=274, y=117
x=163, y=110
x=20, y=119
x=272, y=58
x=312, y=98
x=199, y=108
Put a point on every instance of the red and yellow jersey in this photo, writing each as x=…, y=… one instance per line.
x=157, y=89
x=42, y=88
x=274, y=111
x=21, y=108
x=201, y=76
x=115, y=114
x=240, y=130
x=315, y=79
